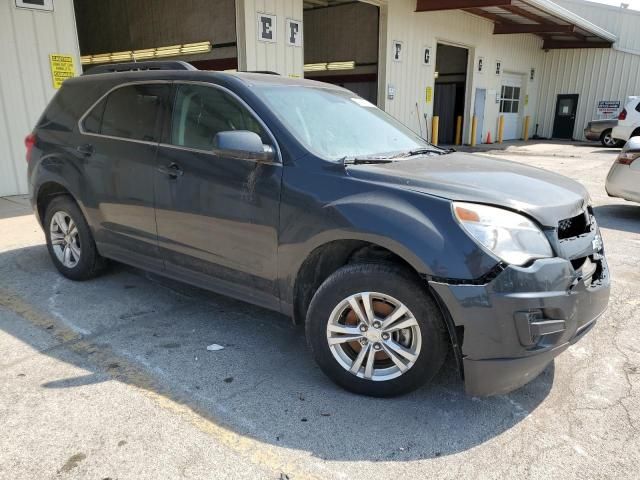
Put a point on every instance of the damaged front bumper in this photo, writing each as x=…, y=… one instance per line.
x=513, y=326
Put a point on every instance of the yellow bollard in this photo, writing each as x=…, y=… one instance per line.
x=459, y=130
x=525, y=129
x=435, y=125
x=500, y=129
x=474, y=130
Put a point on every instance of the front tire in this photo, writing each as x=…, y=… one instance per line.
x=70, y=242
x=374, y=330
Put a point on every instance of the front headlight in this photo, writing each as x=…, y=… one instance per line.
x=511, y=237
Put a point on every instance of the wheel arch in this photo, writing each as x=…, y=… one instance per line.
x=46, y=192
x=327, y=257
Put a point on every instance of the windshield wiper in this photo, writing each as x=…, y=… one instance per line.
x=424, y=151
x=364, y=160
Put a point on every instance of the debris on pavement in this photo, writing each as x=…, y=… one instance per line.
x=214, y=347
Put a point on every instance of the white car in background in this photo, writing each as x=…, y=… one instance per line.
x=628, y=121
x=623, y=180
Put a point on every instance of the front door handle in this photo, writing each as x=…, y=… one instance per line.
x=172, y=170
x=86, y=149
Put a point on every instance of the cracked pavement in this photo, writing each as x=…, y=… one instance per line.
x=112, y=379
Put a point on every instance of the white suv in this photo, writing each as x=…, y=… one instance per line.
x=628, y=121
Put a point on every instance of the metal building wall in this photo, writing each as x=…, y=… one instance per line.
x=518, y=54
x=594, y=74
x=257, y=55
x=624, y=23
x=27, y=38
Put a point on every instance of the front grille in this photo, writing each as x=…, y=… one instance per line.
x=575, y=226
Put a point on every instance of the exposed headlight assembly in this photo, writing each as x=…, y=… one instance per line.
x=510, y=237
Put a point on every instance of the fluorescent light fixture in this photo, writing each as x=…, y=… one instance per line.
x=143, y=54
x=341, y=65
x=321, y=67
x=315, y=67
x=147, y=53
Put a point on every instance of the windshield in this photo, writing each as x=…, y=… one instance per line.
x=335, y=124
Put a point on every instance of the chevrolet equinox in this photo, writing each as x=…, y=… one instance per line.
x=304, y=198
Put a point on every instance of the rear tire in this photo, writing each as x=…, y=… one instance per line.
x=607, y=140
x=417, y=339
x=70, y=241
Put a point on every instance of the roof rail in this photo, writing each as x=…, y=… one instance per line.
x=140, y=66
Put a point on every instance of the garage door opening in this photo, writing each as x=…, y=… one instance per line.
x=341, y=45
x=450, y=90
x=202, y=33
x=510, y=105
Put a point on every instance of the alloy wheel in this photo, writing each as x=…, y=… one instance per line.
x=374, y=336
x=609, y=141
x=65, y=239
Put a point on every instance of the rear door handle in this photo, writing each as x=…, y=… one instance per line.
x=86, y=149
x=172, y=170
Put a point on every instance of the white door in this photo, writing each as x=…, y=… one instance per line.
x=511, y=105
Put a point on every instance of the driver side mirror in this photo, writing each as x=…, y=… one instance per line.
x=243, y=145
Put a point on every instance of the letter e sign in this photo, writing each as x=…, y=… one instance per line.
x=294, y=32
x=266, y=27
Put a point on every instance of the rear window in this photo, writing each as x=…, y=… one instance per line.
x=133, y=112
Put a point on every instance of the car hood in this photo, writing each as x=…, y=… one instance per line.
x=543, y=195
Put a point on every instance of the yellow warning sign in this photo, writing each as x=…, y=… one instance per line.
x=61, y=68
x=429, y=94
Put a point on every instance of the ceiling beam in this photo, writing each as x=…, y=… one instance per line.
x=526, y=14
x=504, y=28
x=559, y=44
x=436, y=5
x=488, y=15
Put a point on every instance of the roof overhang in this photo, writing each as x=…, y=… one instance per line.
x=557, y=26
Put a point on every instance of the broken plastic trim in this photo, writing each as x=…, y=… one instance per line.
x=483, y=280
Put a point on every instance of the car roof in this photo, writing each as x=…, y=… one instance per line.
x=248, y=79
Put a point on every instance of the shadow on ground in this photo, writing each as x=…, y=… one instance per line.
x=623, y=217
x=153, y=333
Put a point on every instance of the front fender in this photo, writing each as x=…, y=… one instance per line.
x=418, y=228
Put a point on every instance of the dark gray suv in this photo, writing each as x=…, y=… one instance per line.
x=303, y=198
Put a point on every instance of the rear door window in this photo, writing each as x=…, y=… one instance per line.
x=133, y=112
x=200, y=112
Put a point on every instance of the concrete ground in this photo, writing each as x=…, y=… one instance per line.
x=111, y=379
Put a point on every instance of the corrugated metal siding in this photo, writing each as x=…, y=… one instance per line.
x=27, y=38
x=594, y=74
x=277, y=57
x=518, y=53
x=623, y=23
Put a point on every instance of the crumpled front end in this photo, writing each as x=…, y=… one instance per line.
x=514, y=325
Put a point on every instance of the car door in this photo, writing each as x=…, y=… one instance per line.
x=118, y=141
x=217, y=214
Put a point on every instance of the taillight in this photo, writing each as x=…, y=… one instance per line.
x=29, y=142
x=623, y=114
x=627, y=158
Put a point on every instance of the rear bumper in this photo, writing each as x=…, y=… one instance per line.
x=518, y=323
x=623, y=182
x=622, y=132
x=591, y=135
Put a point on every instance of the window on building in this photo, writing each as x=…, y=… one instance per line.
x=132, y=112
x=201, y=112
x=510, y=99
